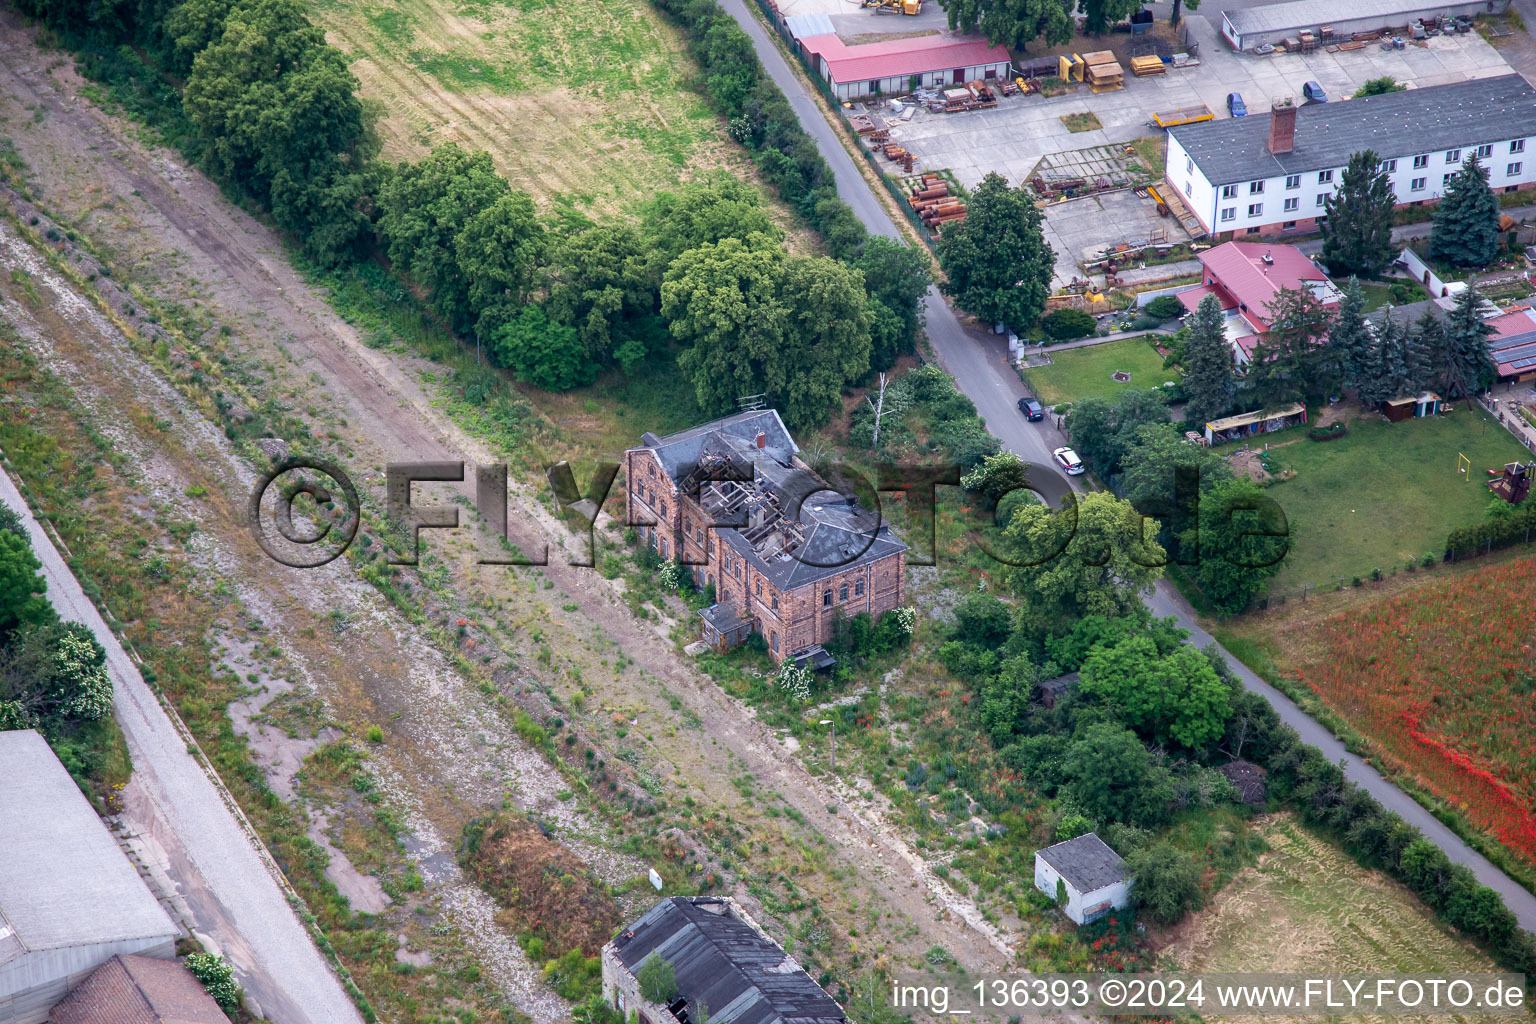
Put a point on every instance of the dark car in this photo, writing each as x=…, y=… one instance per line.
x=1235, y=105
x=1313, y=91
x=1031, y=409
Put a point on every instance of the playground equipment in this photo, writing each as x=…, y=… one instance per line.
x=1514, y=483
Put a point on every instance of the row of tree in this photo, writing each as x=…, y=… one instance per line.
x=278, y=120
x=1357, y=237
x=1310, y=351
x=1018, y=23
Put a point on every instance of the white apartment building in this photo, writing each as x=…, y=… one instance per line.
x=1270, y=175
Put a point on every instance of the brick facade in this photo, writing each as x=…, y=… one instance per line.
x=674, y=525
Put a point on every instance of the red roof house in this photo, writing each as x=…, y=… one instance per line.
x=139, y=990
x=1246, y=276
x=1513, y=343
x=888, y=68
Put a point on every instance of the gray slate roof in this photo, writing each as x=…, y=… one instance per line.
x=1299, y=14
x=1085, y=862
x=838, y=533
x=63, y=879
x=1399, y=124
x=742, y=977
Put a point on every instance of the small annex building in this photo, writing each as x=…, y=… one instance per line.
x=139, y=990
x=69, y=898
x=1095, y=877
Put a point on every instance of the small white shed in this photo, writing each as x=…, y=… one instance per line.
x=1094, y=875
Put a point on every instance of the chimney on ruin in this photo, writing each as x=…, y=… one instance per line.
x=1282, y=126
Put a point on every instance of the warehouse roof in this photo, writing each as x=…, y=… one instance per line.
x=803, y=26
x=1299, y=14
x=63, y=879
x=717, y=957
x=1397, y=124
x=139, y=990
x=896, y=57
x=1085, y=863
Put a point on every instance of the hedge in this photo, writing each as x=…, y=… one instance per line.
x=1333, y=430
x=1480, y=538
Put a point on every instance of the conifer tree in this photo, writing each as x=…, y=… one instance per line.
x=1209, y=369
x=1358, y=235
x=1466, y=223
x=1350, y=336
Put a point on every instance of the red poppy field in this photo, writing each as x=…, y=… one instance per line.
x=1441, y=679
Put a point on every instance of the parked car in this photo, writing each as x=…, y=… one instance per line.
x=1235, y=105
x=1031, y=409
x=1067, y=459
x=1313, y=91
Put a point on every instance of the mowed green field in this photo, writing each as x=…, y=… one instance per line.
x=1384, y=493
x=581, y=103
x=1078, y=373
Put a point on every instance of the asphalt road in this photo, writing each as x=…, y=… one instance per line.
x=230, y=885
x=978, y=362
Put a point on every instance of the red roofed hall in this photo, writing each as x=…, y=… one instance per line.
x=1245, y=277
x=888, y=68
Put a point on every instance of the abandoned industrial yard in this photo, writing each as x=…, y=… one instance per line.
x=766, y=511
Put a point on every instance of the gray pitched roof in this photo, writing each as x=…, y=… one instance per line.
x=1085, y=862
x=743, y=977
x=1299, y=14
x=63, y=879
x=791, y=525
x=1398, y=124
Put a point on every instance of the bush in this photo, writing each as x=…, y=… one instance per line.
x=1167, y=883
x=658, y=982
x=1165, y=307
x=218, y=977
x=1492, y=533
x=1066, y=324
x=1328, y=433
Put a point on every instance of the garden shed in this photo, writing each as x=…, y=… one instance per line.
x=1094, y=877
x=1235, y=428
x=1427, y=404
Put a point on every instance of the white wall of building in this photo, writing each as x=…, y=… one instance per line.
x=1237, y=206
x=1078, y=904
x=901, y=85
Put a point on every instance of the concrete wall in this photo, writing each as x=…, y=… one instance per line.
x=1234, y=210
x=1081, y=907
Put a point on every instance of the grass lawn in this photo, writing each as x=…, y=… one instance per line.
x=1085, y=372
x=1308, y=907
x=1384, y=493
x=1378, y=295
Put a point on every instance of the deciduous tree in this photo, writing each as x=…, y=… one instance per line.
x=1095, y=561
x=1242, y=541
x=1167, y=883
x=1167, y=698
x=1013, y=23
x=1110, y=774
x=997, y=262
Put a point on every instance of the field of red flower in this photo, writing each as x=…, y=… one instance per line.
x=1442, y=679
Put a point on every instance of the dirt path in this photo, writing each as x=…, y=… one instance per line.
x=168, y=227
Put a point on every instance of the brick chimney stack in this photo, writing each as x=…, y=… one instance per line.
x=1282, y=126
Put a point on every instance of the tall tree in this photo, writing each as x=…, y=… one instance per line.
x=715, y=208
x=1210, y=378
x=997, y=261
x=1431, y=341
x=1099, y=15
x=1466, y=344
x=423, y=208
x=1290, y=361
x=1103, y=429
x=1350, y=335
x=600, y=282
x=21, y=588
x=1174, y=697
x=499, y=250
x=794, y=327
x=1243, y=539
x=1358, y=236
x=1013, y=23
x=897, y=279
x=1466, y=223
x=1112, y=776
x=1095, y=562
x=1382, y=368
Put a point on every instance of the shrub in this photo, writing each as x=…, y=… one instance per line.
x=218, y=977
x=1328, y=433
x=658, y=982
x=375, y=734
x=1167, y=884
x=1165, y=307
x=1066, y=324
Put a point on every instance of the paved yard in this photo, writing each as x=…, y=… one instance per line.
x=1013, y=138
x=1079, y=228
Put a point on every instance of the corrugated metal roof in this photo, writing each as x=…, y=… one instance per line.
x=743, y=977
x=1299, y=14
x=1400, y=124
x=897, y=57
x=63, y=879
x=802, y=26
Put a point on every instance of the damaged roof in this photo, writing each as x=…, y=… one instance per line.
x=739, y=973
x=1086, y=862
x=767, y=507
